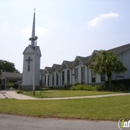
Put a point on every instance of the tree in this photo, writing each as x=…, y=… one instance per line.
x=7, y=66
x=106, y=62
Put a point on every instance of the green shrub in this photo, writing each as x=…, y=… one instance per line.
x=9, y=85
x=99, y=87
x=11, y=88
x=20, y=91
x=2, y=86
x=83, y=87
x=120, y=85
x=67, y=86
x=15, y=85
x=76, y=83
x=114, y=87
x=90, y=88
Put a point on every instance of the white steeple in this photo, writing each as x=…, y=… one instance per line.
x=33, y=38
x=31, y=63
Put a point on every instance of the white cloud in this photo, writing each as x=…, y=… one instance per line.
x=94, y=22
x=27, y=32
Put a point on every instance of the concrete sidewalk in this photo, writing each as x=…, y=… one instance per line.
x=13, y=94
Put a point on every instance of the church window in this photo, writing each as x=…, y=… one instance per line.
x=93, y=76
x=56, y=78
x=45, y=80
x=48, y=80
x=102, y=77
x=53, y=79
x=68, y=76
x=76, y=73
x=63, y=77
x=82, y=74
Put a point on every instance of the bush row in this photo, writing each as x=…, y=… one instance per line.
x=119, y=87
x=9, y=85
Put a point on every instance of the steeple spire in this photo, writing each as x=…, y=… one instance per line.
x=33, y=38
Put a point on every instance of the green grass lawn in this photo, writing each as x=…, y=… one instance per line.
x=66, y=93
x=108, y=108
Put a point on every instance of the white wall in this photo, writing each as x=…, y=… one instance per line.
x=37, y=72
x=59, y=78
x=28, y=75
x=79, y=73
x=125, y=59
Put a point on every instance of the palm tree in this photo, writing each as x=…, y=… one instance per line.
x=106, y=62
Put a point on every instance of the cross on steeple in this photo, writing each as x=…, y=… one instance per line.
x=29, y=60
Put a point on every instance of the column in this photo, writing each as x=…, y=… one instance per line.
x=79, y=73
x=55, y=78
x=70, y=77
x=65, y=75
x=86, y=76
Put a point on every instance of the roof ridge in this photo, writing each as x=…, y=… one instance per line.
x=118, y=47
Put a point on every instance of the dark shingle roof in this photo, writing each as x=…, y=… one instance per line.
x=48, y=69
x=41, y=70
x=57, y=66
x=120, y=48
x=69, y=63
x=83, y=59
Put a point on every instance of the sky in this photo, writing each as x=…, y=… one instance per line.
x=65, y=28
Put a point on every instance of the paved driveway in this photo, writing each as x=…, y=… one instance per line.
x=2, y=95
x=11, y=122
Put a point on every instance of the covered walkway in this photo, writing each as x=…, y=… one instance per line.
x=10, y=76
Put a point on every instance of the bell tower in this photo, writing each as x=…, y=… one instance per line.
x=31, y=62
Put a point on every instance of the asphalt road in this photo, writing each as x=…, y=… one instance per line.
x=11, y=122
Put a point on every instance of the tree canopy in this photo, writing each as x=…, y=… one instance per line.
x=7, y=66
x=106, y=62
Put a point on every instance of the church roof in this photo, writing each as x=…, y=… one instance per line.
x=30, y=50
x=57, y=66
x=120, y=49
x=48, y=69
x=115, y=50
x=41, y=71
x=65, y=64
x=86, y=60
x=83, y=59
x=68, y=63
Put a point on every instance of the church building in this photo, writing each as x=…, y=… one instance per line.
x=78, y=71
x=68, y=72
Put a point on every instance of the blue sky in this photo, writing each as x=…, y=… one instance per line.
x=65, y=28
